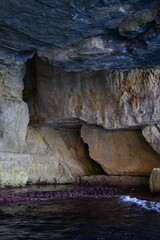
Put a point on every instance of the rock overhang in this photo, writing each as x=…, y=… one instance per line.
x=79, y=35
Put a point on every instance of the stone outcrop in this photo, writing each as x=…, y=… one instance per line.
x=113, y=99
x=152, y=135
x=120, y=152
x=154, y=181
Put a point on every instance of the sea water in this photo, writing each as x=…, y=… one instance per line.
x=100, y=218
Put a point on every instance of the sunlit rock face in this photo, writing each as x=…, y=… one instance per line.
x=120, y=152
x=77, y=35
x=113, y=99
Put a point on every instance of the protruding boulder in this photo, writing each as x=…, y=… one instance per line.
x=154, y=180
x=152, y=135
x=120, y=152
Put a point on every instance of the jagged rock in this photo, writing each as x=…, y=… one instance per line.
x=128, y=32
x=14, y=116
x=113, y=99
x=79, y=151
x=152, y=135
x=120, y=152
x=154, y=180
x=66, y=147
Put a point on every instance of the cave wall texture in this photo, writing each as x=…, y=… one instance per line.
x=79, y=90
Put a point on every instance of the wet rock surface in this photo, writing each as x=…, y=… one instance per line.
x=35, y=154
x=94, y=34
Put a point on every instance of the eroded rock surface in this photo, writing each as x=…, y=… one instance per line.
x=78, y=35
x=94, y=62
x=120, y=152
x=152, y=135
x=154, y=181
x=113, y=99
x=46, y=159
x=35, y=154
x=68, y=154
x=14, y=116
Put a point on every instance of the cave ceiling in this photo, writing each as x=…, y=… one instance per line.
x=79, y=35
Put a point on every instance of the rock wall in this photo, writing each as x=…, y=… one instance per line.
x=51, y=149
x=114, y=99
x=14, y=116
x=88, y=100
x=35, y=154
x=120, y=152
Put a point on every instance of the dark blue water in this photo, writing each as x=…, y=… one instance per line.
x=111, y=218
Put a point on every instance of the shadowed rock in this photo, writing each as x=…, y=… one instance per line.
x=76, y=35
x=154, y=180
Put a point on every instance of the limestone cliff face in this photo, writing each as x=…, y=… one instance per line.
x=35, y=154
x=114, y=99
x=120, y=152
x=14, y=116
x=88, y=100
x=152, y=135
